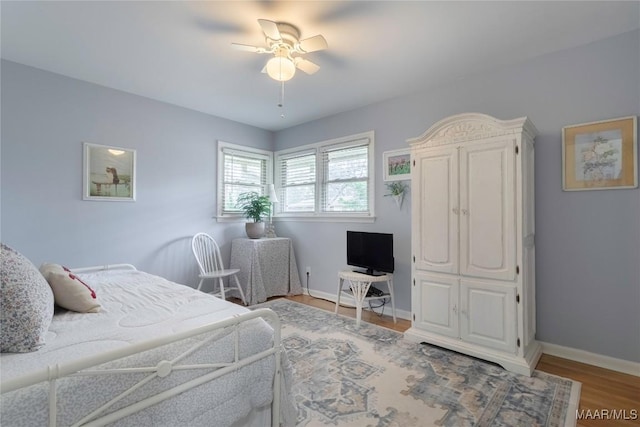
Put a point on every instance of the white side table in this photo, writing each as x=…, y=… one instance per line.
x=359, y=284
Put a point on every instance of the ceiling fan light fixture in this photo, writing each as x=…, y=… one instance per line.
x=281, y=68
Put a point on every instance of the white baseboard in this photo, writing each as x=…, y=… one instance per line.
x=348, y=302
x=599, y=360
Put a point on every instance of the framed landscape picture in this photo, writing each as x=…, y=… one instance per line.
x=600, y=155
x=396, y=165
x=109, y=173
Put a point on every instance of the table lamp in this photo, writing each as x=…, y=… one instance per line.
x=270, y=190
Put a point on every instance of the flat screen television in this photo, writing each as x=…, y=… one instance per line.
x=371, y=251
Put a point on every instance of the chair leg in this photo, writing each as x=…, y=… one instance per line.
x=200, y=284
x=221, y=288
x=244, y=300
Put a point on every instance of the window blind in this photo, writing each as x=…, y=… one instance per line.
x=346, y=178
x=242, y=172
x=297, y=182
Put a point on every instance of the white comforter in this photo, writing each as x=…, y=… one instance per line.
x=135, y=307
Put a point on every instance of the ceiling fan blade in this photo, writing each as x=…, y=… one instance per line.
x=313, y=44
x=248, y=48
x=270, y=29
x=306, y=65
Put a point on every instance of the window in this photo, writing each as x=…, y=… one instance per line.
x=298, y=182
x=346, y=178
x=240, y=170
x=328, y=179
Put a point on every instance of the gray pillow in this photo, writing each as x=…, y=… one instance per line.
x=26, y=303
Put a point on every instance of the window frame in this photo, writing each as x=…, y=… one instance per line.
x=250, y=152
x=319, y=149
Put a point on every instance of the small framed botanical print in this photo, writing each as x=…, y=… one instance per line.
x=600, y=155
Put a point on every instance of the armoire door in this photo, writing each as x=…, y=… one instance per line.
x=435, y=210
x=487, y=209
x=488, y=314
x=435, y=304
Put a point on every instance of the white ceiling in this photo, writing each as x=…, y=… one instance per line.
x=179, y=51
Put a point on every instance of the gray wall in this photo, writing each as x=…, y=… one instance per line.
x=45, y=120
x=587, y=243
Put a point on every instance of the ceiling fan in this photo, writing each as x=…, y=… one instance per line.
x=283, y=41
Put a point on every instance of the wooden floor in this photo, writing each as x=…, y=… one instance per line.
x=602, y=389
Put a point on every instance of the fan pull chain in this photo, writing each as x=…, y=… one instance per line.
x=281, y=103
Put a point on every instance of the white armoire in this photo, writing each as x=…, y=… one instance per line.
x=473, y=266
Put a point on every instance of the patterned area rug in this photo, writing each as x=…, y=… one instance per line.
x=371, y=376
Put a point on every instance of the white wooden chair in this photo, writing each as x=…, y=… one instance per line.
x=207, y=255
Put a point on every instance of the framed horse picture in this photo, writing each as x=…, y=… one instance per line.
x=109, y=173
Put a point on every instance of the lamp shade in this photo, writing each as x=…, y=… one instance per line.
x=270, y=190
x=281, y=68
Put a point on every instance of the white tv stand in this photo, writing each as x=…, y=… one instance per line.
x=359, y=284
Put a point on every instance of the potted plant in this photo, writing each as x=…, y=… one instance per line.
x=254, y=207
x=397, y=190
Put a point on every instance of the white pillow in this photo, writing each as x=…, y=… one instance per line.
x=72, y=293
x=68, y=290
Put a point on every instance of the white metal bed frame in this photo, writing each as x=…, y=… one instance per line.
x=162, y=369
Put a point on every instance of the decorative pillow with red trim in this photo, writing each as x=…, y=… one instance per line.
x=69, y=291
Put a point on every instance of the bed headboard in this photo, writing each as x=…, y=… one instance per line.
x=96, y=268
